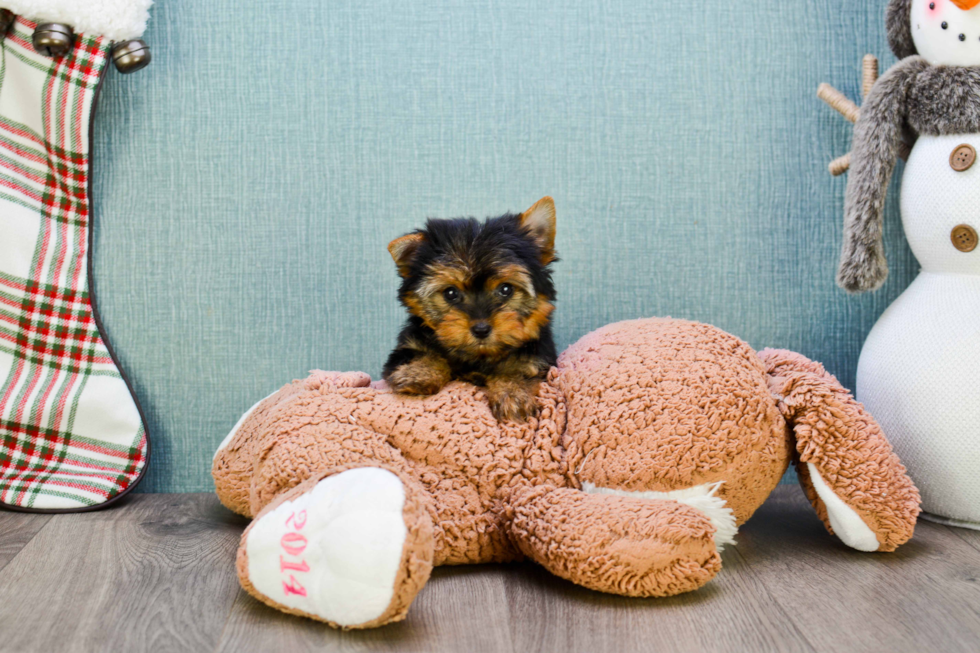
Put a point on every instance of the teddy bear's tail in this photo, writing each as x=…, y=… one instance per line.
x=847, y=468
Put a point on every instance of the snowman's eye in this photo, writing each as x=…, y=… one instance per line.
x=945, y=25
x=962, y=37
x=932, y=5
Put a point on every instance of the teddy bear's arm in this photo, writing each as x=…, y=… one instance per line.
x=609, y=543
x=847, y=468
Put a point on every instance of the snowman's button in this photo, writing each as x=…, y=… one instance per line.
x=963, y=158
x=964, y=238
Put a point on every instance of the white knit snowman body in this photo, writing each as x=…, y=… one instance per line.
x=919, y=371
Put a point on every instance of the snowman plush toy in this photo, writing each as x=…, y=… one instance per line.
x=919, y=371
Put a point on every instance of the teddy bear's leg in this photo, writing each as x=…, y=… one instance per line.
x=276, y=445
x=610, y=543
x=351, y=547
x=855, y=482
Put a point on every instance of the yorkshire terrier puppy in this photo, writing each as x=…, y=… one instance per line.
x=480, y=298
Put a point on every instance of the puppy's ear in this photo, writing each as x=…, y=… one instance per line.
x=403, y=250
x=539, y=221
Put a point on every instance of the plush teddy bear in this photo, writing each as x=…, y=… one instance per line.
x=655, y=439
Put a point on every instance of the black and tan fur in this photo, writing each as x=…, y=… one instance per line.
x=480, y=299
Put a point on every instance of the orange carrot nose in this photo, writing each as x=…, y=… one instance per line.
x=966, y=5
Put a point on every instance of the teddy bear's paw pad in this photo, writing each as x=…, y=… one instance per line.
x=334, y=552
x=847, y=524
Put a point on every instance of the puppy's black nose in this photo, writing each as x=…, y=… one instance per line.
x=481, y=330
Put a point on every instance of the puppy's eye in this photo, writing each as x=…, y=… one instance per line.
x=505, y=290
x=451, y=295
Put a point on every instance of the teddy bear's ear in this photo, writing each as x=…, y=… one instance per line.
x=539, y=221
x=403, y=250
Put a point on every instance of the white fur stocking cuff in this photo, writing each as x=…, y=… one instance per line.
x=117, y=20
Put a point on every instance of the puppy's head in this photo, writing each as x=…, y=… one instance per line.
x=484, y=288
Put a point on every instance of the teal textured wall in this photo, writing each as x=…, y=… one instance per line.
x=248, y=182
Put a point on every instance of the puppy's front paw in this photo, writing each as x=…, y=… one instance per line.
x=512, y=401
x=423, y=376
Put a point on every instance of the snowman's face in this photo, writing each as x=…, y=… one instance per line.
x=945, y=34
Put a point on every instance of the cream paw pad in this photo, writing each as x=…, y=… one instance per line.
x=333, y=552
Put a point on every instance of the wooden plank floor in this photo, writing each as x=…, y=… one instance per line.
x=157, y=574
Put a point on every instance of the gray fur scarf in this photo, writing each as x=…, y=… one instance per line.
x=912, y=98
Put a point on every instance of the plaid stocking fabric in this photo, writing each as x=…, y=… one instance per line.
x=71, y=433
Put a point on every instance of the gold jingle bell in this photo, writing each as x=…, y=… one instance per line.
x=53, y=39
x=7, y=19
x=130, y=56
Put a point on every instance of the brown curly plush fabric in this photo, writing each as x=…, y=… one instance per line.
x=666, y=404
x=645, y=411
x=623, y=545
x=836, y=434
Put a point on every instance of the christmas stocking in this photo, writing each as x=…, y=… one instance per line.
x=72, y=436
